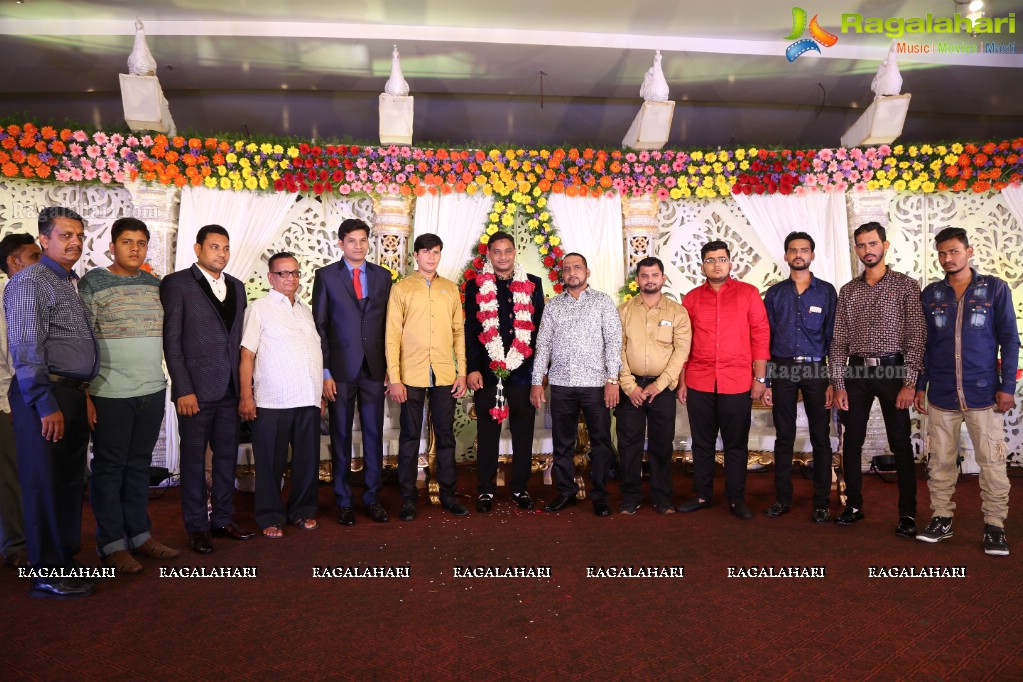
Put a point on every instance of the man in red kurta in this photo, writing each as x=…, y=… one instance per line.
x=726, y=372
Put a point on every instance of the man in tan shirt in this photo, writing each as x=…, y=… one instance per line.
x=425, y=346
x=656, y=336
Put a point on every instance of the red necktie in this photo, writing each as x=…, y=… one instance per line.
x=357, y=283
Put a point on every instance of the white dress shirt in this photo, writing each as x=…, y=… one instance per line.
x=218, y=284
x=289, y=358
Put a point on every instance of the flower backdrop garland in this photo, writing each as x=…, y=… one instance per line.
x=66, y=155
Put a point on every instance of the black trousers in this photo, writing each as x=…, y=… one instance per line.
x=657, y=420
x=272, y=432
x=566, y=403
x=731, y=414
x=442, y=411
x=216, y=425
x=897, y=425
x=521, y=417
x=52, y=477
x=368, y=394
x=788, y=379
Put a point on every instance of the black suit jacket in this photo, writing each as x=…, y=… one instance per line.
x=350, y=330
x=201, y=351
x=476, y=357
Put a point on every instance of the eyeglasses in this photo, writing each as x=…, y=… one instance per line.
x=285, y=274
x=711, y=261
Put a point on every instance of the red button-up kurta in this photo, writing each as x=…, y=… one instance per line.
x=730, y=331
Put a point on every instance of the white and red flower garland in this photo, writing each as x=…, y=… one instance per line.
x=503, y=363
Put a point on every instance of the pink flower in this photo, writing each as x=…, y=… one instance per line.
x=833, y=166
x=75, y=149
x=124, y=152
x=363, y=175
x=867, y=175
x=824, y=155
x=101, y=163
x=86, y=163
x=105, y=178
x=656, y=155
x=406, y=152
x=663, y=168
x=350, y=175
x=392, y=150
x=76, y=174
x=128, y=169
x=90, y=173
x=854, y=176
x=120, y=177
x=800, y=191
x=860, y=186
x=380, y=188
x=116, y=139
x=409, y=168
x=637, y=192
x=847, y=165
x=841, y=153
x=393, y=188
x=63, y=175
x=100, y=137
x=884, y=150
x=618, y=184
x=856, y=153
x=147, y=140
x=669, y=181
x=818, y=164
x=663, y=194
x=810, y=180
x=871, y=152
x=839, y=186
x=630, y=157
x=400, y=178
x=361, y=162
x=644, y=156
x=822, y=178
x=92, y=150
x=378, y=176
x=862, y=163
x=110, y=150
x=678, y=165
x=113, y=165
x=417, y=154
x=344, y=189
x=876, y=163
x=132, y=141
x=80, y=136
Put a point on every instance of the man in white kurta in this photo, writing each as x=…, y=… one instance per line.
x=281, y=386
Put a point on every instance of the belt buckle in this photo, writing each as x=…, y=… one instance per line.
x=872, y=362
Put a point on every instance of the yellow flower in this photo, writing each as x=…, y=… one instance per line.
x=510, y=154
x=906, y=175
x=494, y=217
x=485, y=239
x=872, y=184
x=913, y=151
x=626, y=298
x=926, y=149
x=917, y=165
x=696, y=156
x=903, y=164
x=541, y=201
x=935, y=165
x=488, y=190
x=244, y=163
x=740, y=154
x=237, y=186
x=927, y=186
x=942, y=149
x=271, y=163
x=278, y=149
x=263, y=182
x=545, y=216
x=526, y=165
x=498, y=208
x=545, y=154
x=234, y=175
x=899, y=186
x=957, y=149
x=471, y=188
x=633, y=286
x=718, y=167
x=533, y=223
x=543, y=250
x=538, y=239
x=225, y=183
x=246, y=172
x=507, y=220
x=555, y=241
x=711, y=158
x=251, y=183
x=744, y=165
x=730, y=166
x=222, y=170
x=210, y=182
x=487, y=166
x=491, y=229
x=494, y=154
x=251, y=147
x=704, y=169
x=898, y=149
x=292, y=152
x=275, y=176
x=231, y=157
x=266, y=148
x=675, y=193
x=239, y=145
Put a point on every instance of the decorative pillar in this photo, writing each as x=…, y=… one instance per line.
x=639, y=228
x=865, y=207
x=157, y=207
x=392, y=225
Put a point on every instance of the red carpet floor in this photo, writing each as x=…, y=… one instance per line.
x=285, y=624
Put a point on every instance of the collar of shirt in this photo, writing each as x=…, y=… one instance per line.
x=351, y=268
x=420, y=276
x=585, y=294
x=973, y=280
x=214, y=281
x=57, y=268
x=637, y=301
x=813, y=282
x=863, y=275
x=726, y=285
x=278, y=297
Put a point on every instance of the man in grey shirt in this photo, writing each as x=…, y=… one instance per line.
x=579, y=348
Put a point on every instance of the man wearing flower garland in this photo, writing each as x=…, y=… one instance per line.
x=656, y=335
x=425, y=345
x=503, y=308
x=579, y=349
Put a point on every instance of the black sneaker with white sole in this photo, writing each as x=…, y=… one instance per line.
x=994, y=541
x=937, y=530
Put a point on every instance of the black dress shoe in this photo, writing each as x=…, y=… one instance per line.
x=408, y=511
x=484, y=503
x=60, y=588
x=849, y=516
x=376, y=512
x=523, y=500
x=741, y=510
x=234, y=532
x=560, y=502
x=693, y=504
x=906, y=527
x=200, y=542
x=456, y=508
x=821, y=515
x=346, y=516
x=776, y=510
x=601, y=509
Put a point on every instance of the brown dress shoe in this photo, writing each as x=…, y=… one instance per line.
x=122, y=562
x=156, y=550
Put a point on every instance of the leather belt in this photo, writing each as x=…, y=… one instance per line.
x=800, y=359
x=69, y=382
x=877, y=361
x=644, y=381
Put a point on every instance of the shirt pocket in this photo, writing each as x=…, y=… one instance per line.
x=665, y=334
x=980, y=315
x=812, y=321
x=940, y=315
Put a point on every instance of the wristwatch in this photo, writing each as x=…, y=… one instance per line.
x=760, y=380
x=613, y=382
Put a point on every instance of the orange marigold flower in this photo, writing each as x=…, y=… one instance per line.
x=194, y=142
x=224, y=147
x=57, y=147
x=558, y=187
x=178, y=141
x=49, y=132
x=40, y=146
x=13, y=130
x=10, y=170
x=605, y=181
x=30, y=129
x=989, y=148
x=27, y=171
x=65, y=134
x=27, y=141
x=981, y=186
x=210, y=143
x=218, y=159
x=33, y=160
x=9, y=143
x=43, y=171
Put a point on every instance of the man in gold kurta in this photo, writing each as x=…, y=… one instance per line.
x=425, y=346
x=656, y=336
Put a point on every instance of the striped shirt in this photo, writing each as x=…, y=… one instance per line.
x=48, y=332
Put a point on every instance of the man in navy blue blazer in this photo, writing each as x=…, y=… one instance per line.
x=203, y=312
x=350, y=306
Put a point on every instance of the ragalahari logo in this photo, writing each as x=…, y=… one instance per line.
x=817, y=35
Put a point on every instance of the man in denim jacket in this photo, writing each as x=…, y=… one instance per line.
x=970, y=322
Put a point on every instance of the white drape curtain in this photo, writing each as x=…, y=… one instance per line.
x=459, y=220
x=1013, y=195
x=253, y=220
x=593, y=227
x=820, y=214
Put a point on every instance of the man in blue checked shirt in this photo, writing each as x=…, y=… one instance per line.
x=55, y=356
x=801, y=311
x=970, y=322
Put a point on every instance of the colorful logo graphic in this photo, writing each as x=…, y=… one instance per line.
x=817, y=35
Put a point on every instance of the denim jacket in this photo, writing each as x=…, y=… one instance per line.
x=964, y=337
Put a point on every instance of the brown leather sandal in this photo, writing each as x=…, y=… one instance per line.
x=122, y=562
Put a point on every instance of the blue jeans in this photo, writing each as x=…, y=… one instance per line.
x=123, y=440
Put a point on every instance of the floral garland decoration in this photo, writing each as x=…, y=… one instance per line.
x=628, y=290
x=503, y=363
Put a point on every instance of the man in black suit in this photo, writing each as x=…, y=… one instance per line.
x=350, y=306
x=202, y=328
